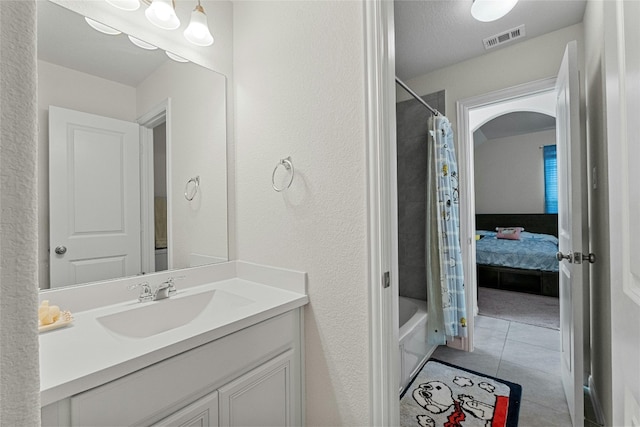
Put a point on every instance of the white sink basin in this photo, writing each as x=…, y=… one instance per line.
x=148, y=319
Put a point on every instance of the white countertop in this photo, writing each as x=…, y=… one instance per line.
x=86, y=354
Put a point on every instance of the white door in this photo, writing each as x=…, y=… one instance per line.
x=94, y=191
x=622, y=126
x=572, y=230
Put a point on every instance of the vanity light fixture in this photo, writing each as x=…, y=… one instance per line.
x=175, y=57
x=162, y=14
x=142, y=44
x=98, y=26
x=491, y=10
x=125, y=4
x=198, y=30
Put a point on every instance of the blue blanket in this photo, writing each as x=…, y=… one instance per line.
x=532, y=252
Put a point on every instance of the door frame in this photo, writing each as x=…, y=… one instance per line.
x=464, y=108
x=380, y=103
x=157, y=115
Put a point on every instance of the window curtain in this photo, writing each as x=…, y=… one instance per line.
x=550, y=179
x=19, y=362
x=445, y=276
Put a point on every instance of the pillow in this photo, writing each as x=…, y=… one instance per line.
x=510, y=233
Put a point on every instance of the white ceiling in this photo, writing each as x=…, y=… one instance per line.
x=512, y=124
x=64, y=38
x=432, y=34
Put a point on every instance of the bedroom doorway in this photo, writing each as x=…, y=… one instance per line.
x=515, y=177
x=507, y=106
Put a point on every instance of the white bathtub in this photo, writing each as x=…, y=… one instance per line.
x=414, y=349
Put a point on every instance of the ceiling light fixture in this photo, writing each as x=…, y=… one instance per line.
x=162, y=14
x=125, y=4
x=142, y=44
x=98, y=26
x=490, y=10
x=175, y=57
x=198, y=30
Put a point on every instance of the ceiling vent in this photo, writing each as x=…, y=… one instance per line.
x=504, y=37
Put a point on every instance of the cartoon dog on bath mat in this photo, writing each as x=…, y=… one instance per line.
x=437, y=398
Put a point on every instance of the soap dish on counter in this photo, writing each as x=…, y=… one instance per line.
x=65, y=320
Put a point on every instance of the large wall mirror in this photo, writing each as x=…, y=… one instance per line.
x=132, y=156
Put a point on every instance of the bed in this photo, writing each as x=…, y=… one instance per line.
x=524, y=265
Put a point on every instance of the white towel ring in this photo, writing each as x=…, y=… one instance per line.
x=288, y=165
x=196, y=184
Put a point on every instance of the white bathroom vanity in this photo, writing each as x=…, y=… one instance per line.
x=226, y=349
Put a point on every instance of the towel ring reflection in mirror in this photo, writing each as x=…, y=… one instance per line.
x=288, y=165
x=189, y=195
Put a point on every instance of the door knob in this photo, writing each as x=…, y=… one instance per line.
x=591, y=258
x=560, y=256
x=60, y=250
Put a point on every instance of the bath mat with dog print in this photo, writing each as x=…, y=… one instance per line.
x=444, y=395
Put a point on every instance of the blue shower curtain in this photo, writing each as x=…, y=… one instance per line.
x=445, y=276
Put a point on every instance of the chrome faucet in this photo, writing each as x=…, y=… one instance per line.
x=162, y=291
x=165, y=289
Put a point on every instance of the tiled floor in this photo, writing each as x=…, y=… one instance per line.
x=523, y=354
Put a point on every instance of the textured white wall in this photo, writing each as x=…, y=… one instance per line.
x=509, y=173
x=299, y=73
x=523, y=62
x=198, y=148
x=19, y=362
x=64, y=87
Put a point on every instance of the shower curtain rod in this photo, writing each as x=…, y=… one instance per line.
x=416, y=96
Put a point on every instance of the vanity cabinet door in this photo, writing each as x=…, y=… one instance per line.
x=261, y=397
x=201, y=413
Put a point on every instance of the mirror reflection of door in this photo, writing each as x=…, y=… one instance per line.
x=95, y=206
x=160, y=196
x=94, y=190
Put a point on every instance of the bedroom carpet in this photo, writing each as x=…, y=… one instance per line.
x=519, y=307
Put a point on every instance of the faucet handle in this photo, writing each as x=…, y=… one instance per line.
x=171, y=283
x=145, y=292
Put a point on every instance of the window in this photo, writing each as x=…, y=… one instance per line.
x=550, y=179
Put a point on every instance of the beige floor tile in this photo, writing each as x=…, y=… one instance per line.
x=537, y=386
x=531, y=356
x=535, y=415
x=491, y=323
x=534, y=335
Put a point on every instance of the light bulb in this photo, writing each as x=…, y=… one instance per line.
x=198, y=31
x=98, y=26
x=162, y=14
x=490, y=10
x=125, y=4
